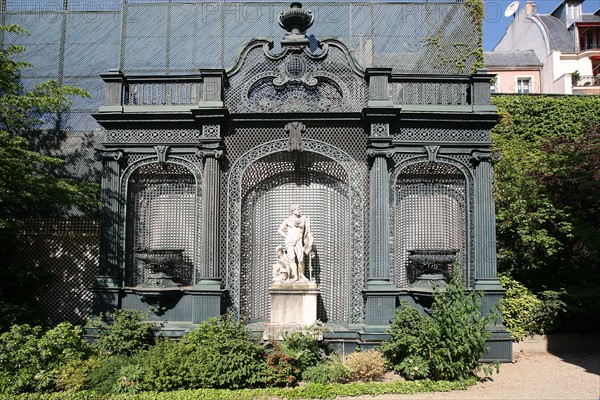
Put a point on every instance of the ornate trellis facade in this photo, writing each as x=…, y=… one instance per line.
x=394, y=170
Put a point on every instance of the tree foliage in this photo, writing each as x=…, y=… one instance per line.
x=31, y=183
x=28, y=184
x=547, y=197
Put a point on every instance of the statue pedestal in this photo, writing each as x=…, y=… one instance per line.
x=293, y=307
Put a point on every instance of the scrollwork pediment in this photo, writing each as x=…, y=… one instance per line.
x=296, y=86
x=296, y=80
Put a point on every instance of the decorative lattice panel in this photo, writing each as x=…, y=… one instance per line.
x=429, y=93
x=68, y=250
x=430, y=213
x=420, y=135
x=152, y=135
x=162, y=213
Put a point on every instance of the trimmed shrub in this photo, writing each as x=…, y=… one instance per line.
x=365, y=366
x=330, y=370
x=219, y=353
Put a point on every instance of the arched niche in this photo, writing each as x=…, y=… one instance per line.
x=431, y=212
x=162, y=211
x=262, y=186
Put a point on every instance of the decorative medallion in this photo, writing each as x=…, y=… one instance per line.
x=295, y=67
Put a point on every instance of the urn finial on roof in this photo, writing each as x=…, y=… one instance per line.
x=295, y=21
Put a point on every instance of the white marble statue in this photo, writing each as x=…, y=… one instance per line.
x=298, y=242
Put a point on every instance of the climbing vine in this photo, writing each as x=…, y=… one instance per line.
x=476, y=10
x=463, y=56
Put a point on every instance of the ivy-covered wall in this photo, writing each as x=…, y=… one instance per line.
x=547, y=193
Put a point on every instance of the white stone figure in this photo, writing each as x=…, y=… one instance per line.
x=298, y=242
x=280, y=270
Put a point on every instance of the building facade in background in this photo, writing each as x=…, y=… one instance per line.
x=566, y=44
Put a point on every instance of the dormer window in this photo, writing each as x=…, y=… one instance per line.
x=573, y=12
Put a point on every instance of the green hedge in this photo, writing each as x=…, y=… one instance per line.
x=309, y=391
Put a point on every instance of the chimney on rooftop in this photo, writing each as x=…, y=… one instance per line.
x=531, y=7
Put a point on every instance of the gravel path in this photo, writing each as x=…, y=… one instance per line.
x=532, y=376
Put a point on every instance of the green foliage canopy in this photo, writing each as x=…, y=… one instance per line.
x=27, y=182
x=547, y=200
x=31, y=183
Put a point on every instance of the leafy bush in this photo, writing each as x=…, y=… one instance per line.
x=525, y=314
x=520, y=309
x=282, y=369
x=130, y=378
x=232, y=356
x=219, y=353
x=303, y=347
x=413, y=368
x=406, y=331
x=73, y=376
x=298, y=351
x=124, y=332
x=329, y=370
x=30, y=360
x=167, y=366
x=449, y=344
x=104, y=375
x=365, y=366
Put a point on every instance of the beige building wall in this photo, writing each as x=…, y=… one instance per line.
x=507, y=81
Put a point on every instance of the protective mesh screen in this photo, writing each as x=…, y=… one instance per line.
x=67, y=249
x=161, y=214
x=74, y=41
x=430, y=213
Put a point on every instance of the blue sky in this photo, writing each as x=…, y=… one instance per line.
x=495, y=23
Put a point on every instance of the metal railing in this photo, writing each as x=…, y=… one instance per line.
x=587, y=80
x=440, y=90
x=162, y=91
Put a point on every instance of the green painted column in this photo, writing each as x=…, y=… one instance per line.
x=209, y=232
x=485, y=223
x=108, y=283
x=110, y=194
x=379, y=216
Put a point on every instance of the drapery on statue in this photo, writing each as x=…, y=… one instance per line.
x=298, y=242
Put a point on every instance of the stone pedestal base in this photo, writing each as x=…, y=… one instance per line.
x=293, y=307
